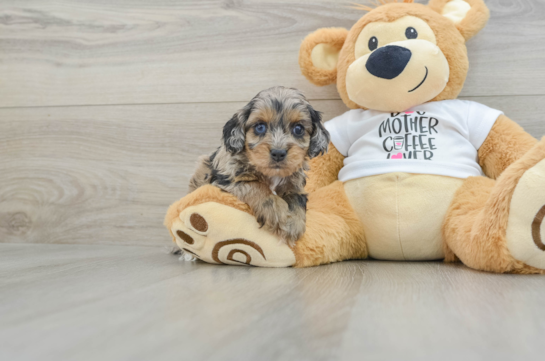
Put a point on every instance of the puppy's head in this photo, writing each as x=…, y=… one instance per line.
x=278, y=130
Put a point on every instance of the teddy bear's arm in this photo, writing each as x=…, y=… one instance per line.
x=506, y=143
x=324, y=169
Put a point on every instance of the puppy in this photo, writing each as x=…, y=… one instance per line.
x=263, y=159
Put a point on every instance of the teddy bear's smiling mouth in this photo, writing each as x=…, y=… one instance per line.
x=422, y=82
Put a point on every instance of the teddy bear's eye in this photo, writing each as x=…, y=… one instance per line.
x=373, y=43
x=411, y=33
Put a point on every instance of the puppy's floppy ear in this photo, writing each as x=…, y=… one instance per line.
x=319, y=139
x=319, y=54
x=234, y=134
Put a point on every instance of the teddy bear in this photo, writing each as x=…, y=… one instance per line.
x=412, y=172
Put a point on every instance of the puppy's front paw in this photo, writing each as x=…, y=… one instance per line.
x=289, y=229
x=276, y=217
x=275, y=225
x=293, y=230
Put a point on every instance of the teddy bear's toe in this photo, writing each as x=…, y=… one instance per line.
x=216, y=233
x=525, y=228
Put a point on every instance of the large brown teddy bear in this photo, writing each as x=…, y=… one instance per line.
x=412, y=173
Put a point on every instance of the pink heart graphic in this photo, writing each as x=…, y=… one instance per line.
x=397, y=156
x=409, y=112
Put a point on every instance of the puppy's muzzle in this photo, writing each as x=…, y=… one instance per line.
x=278, y=155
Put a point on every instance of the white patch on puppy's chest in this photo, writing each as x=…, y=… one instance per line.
x=275, y=182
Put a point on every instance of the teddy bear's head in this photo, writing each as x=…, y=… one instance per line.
x=398, y=55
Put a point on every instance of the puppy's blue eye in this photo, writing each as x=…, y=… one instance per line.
x=298, y=130
x=260, y=128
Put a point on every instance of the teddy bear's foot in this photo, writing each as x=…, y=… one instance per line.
x=497, y=225
x=217, y=233
x=526, y=226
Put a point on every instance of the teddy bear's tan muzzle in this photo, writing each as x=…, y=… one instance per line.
x=398, y=76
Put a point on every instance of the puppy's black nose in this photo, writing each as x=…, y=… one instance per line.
x=388, y=62
x=278, y=155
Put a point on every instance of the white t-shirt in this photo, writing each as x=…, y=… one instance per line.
x=439, y=137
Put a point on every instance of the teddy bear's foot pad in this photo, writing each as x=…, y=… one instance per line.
x=526, y=225
x=216, y=233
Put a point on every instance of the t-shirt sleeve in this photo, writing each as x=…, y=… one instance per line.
x=337, y=128
x=480, y=121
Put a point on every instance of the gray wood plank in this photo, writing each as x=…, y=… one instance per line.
x=106, y=174
x=162, y=51
x=66, y=302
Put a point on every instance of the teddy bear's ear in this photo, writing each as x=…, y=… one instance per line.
x=319, y=54
x=469, y=16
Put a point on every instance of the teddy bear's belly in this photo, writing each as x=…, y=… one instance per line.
x=403, y=213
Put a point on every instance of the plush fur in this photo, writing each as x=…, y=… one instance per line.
x=324, y=170
x=335, y=37
x=449, y=39
x=203, y=195
x=330, y=217
x=474, y=21
x=506, y=143
x=477, y=221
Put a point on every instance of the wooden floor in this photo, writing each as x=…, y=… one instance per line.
x=105, y=107
x=92, y=302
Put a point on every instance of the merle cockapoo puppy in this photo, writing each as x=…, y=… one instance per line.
x=264, y=156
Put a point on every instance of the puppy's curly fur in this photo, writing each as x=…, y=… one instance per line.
x=264, y=156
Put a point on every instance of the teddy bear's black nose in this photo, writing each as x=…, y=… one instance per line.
x=388, y=61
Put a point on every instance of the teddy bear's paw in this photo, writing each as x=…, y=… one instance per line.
x=216, y=233
x=526, y=226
